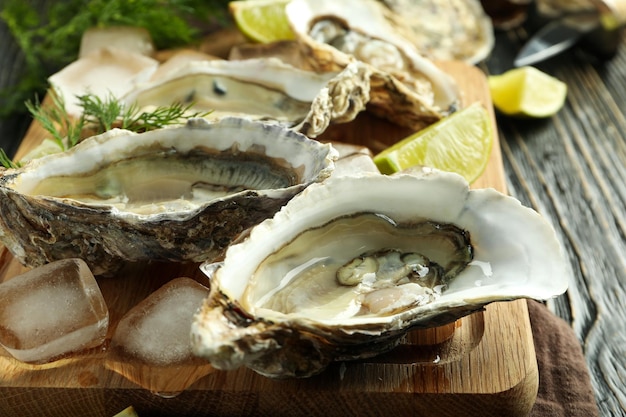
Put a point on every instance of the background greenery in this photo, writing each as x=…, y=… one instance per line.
x=42, y=36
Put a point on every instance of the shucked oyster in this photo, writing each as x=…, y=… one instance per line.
x=348, y=266
x=265, y=89
x=175, y=194
x=405, y=87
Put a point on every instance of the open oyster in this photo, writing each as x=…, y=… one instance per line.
x=348, y=266
x=447, y=29
x=263, y=88
x=406, y=87
x=174, y=194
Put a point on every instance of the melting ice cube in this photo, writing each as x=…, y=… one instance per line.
x=52, y=311
x=151, y=344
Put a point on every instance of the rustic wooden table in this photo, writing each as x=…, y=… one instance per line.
x=571, y=168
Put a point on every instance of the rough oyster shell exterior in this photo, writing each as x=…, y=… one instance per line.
x=39, y=225
x=515, y=255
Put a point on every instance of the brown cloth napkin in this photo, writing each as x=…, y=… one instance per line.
x=564, y=386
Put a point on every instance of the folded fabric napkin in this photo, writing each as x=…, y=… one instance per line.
x=564, y=385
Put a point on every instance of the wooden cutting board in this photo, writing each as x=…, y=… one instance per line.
x=482, y=365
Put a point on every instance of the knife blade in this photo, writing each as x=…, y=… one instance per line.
x=556, y=37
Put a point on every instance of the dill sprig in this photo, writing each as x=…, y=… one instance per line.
x=99, y=115
x=134, y=120
x=55, y=120
x=6, y=162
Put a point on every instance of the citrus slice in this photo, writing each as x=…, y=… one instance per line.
x=127, y=412
x=262, y=20
x=458, y=143
x=527, y=92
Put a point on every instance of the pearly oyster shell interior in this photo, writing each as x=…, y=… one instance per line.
x=175, y=194
x=280, y=305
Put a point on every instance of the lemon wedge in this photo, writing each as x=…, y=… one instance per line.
x=527, y=92
x=262, y=21
x=458, y=143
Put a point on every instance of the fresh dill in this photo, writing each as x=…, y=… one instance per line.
x=6, y=162
x=55, y=120
x=99, y=115
x=134, y=120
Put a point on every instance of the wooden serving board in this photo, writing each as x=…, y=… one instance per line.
x=482, y=365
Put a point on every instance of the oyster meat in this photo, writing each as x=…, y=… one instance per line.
x=405, y=87
x=262, y=88
x=176, y=194
x=347, y=267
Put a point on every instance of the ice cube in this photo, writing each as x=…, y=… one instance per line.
x=51, y=312
x=151, y=344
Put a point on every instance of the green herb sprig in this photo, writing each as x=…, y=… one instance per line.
x=55, y=120
x=6, y=162
x=99, y=115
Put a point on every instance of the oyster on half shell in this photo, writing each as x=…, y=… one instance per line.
x=264, y=89
x=348, y=266
x=405, y=87
x=176, y=194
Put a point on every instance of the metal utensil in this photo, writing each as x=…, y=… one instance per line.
x=556, y=37
x=600, y=26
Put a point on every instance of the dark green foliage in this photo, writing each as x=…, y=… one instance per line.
x=49, y=39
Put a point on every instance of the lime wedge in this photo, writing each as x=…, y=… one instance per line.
x=527, y=92
x=458, y=143
x=262, y=20
x=127, y=412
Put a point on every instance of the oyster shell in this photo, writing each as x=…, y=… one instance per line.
x=175, y=194
x=406, y=87
x=129, y=38
x=553, y=9
x=263, y=88
x=446, y=29
x=103, y=72
x=348, y=266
